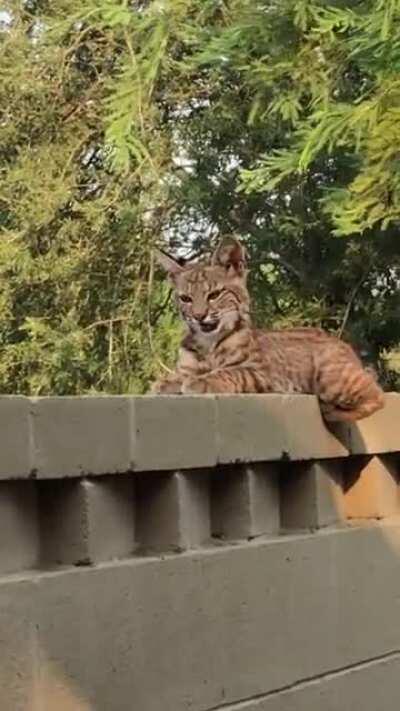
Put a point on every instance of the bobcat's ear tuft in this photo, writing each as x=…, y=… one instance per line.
x=171, y=266
x=231, y=255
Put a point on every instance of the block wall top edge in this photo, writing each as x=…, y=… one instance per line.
x=55, y=437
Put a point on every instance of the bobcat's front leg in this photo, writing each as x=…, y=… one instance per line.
x=171, y=385
x=240, y=379
x=187, y=368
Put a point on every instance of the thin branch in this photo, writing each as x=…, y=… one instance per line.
x=149, y=325
x=135, y=66
x=107, y=322
x=290, y=268
x=272, y=294
x=70, y=111
x=159, y=312
x=351, y=302
x=110, y=350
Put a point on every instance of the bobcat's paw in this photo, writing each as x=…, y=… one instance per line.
x=195, y=386
x=167, y=386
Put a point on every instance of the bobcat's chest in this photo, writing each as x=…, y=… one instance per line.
x=205, y=356
x=230, y=355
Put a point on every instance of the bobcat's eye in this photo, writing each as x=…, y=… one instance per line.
x=214, y=294
x=185, y=299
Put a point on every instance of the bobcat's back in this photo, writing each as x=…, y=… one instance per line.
x=309, y=360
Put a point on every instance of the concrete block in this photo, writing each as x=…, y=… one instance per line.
x=15, y=437
x=245, y=501
x=370, y=686
x=372, y=487
x=210, y=628
x=251, y=428
x=18, y=645
x=173, y=510
x=274, y=427
x=74, y=436
x=87, y=521
x=174, y=432
x=309, y=436
x=312, y=495
x=62, y=674
x=378, y=433
x=19, y=527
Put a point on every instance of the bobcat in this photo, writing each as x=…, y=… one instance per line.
x=222, y=353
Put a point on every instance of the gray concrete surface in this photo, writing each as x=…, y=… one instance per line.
x=173, y=510
x=204, y=629
x=174, y=432
x=86, y=521
x=245, y=500
x=76, y=436
x=98, y=611
x=15, y=436
x=369, y=686
x=312, y=494
x=19, y=526
x=67, y=437
x=254, y=428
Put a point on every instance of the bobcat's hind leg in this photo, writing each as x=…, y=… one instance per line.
x=341, y=414
x=348, y=393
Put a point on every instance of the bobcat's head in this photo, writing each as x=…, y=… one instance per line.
x=212, y=296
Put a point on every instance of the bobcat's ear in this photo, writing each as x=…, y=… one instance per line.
x=171, y=266
x=231, y=255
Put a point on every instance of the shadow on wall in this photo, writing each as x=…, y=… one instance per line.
x=54, y=691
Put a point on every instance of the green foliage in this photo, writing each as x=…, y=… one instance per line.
x=349, y=101
x=127, y=123
x=78, y=304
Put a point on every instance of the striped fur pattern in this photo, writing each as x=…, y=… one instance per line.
x=222, y=353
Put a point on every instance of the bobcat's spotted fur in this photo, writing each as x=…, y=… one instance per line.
x=222, y=353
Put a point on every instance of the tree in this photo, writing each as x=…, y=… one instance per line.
x=130, y=123
x=78, y=302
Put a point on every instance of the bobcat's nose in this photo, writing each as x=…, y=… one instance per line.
x=199, y=315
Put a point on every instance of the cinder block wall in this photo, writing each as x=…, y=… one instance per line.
x=198, y=554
